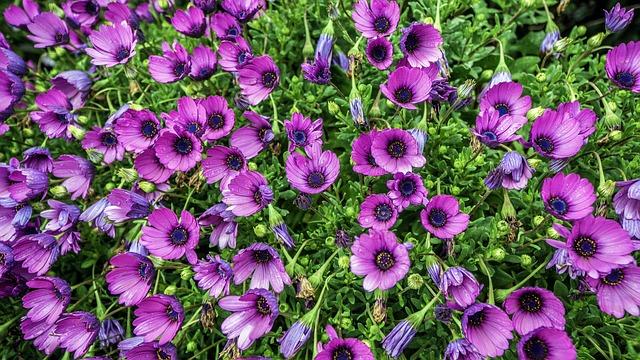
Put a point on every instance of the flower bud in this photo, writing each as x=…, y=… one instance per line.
x=596, y=40
x=498, y=254
x=131, y=73
x=334, y=109
x=611, y=120
x=415, y=281
x=606, y=189
x=552, y=233
x=535, y=113
x=110, y=186
x=615, y=135
x=186, y=274
x=580, y=30
x=534, y=163
x=561, y=45
x=94, y=156
x=465, y=90
x=527, y=3
x=147, y=187
x=541, y=77
x=537, y=220
x=260, y=230
x=502, y=226
x=192, y=346
x=486, y=74
x=128, y=175
x=443, y=313
x=344, y=262
x=170, y=290
x=526, y=260
x=342, y=239
x=78, y=133
x=58, y=191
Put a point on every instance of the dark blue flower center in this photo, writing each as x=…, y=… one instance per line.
x=122, y=54
x=342, y=353
x=396, y=149
x=381, y=25
x=299, y=137
x=193, y=127
x=143, y=270
x=316, y=179
x=179, y=236
x=262, y=305
x=242, y=14
x=545, y=144
x=407, y=187
x=403, y=95
x=262, y=256
x=503, y=109
x=614, y=278
x=234, y=162
x=371, y=160
x=195, y=29
x=531, y=302
x=109, y=140
x=241, y=58
x=62, y=118
x=60, y=38
x=179, y=69
x=476, y=319
x=536, y=349
x=383, y=212
x=183, y=145
x=92, y=8
x=172, y=314
x=216, y=121
x=58, y=293
x=204, y=72
x=558, y=205
x=385, y=260
x=233, y=31
x=585, y=247
x=491, y=135
x=269, y=79
x=149, y=129
x=411, y=42
x=379, y=53
x=162, y=355
x=625, y=79
x=437, y=218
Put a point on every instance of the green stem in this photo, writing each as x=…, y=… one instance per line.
x=317, y=321
x=600, y=170
x=502, y=294
x=275, y=126
x=486, y=270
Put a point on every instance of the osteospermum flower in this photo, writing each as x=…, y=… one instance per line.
x=264, y=263
x=458, y=283
x=376, y=20
x=314, y=174
x=617, y=19
x=247, y=194
x=203, y=63
x=302, y=132
x=190, y=22
x=20, y=18
x=219, y=118
x=40, y=332
x=255, y=137
x=37, y=252
x=253, y=316
x=505, y=98
x=158, y=315
x=532, y=308
x=618, y=292
x=225, y=26
x=377, y=212
x=443, y=218
x=173, y=66
x=407, y=86
x=395, y=150
x=626, y=204
x=149, y=350
x=55, y=116
x=126, y=205
x=48, y=30
x=48, y=299
x=112, y=45
x=234, y=53
x=137, y=129
x=488, y=328
x=169, y=237
x=399, y=338
x=226, y=229
x=513, y=172
x=361, y=154
x=568, y=197
x=258, y=78
x=420, y=43
x=75, y=84
x=380, y=52
x=585, y=117
x=11, y=91
x=106, y=142
x=213, y=275
x=623, y=66
x=595, y=245
x=78, y=171
x=406, y=189
x=338, y=348
x=223, y=163
x=380, y=259
x=178, y=150
x=190, y=117
x=149, y=167
x=462, y=349
x=546, y=343
x=244, y=11
x=26, y=184
x=493, y=129
x=77, y=331
x=131, y=278
x=555, y=136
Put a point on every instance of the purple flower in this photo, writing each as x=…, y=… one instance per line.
x=203, y=63
x=338, y=348
x=458, y=283
x=86, y=12
x=41, y=333
x=48, y=30
x=126, y=205
x=406, y=189
x=568, y=197
x=137, y=130
x=314, y=174
x=253, y=316
x=279, y=228
x=623, y=66
x=399, y=338
x=170, y=238
x=244, y=11
x=462, y=349
x=254, y=138
x=247, y=194
x=75, y=84
x=55, y=117
x=493, y=129
x=595, y=245
x=224, y=164
x=377, y=212
x=112, y=45
x=407, y=87
x=150, y=168
x=178, y=149
x=48, y=299
x=294, y=338
x=585, y=117
x=364, y=161
x=6, y=259
x=380, y=52
x=376, y=20
x=13, y=217
x=118, y=12
x=302, y=132
x=443, y=313
x=234, y=54
x=213, y=275
x=488, y=328
x=11, y=91
x=380, y=259
x=443, y=218
x=618, y=292
x=207, y=6
x=546, y=343
x=319, y=72
x=26, y=184
x=617, y=19
x=226, y=229
x=62, y=217
x=395, y=150
x=513, y=173
x=173, y=66
x=533, y=308
x=190, y=117
x=13, y=63
x=555, y=136
x=106, y=142
x=131, y=278
x=151, y=350
x=190, y=22
x=19, y=18
x=225, y=26
x=158, y=315
x=562, y=263
x=220, y=119
x=78, y=171
x=110, y=332
x=258, y=78
x=264, y=263
x=626, y=204
x=95, y=213
x=37, y=252
x=77, y=331
x=420, y=44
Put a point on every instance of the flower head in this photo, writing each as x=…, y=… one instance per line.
x=380, y=259
x=513, y=173
x=37, y=252
x=149, y=167
x=131, y=278
x=443, y=218
x=399, y=338
x=546, y=343
x=244, y=11
x=555, y=136
x=462, y=349
x=48, y=299
x=364, y=161
x=213, y=275
x=27, y=184
x=178, y=149
x=110, y=333
x=623, y=66
x=55, y=116
x=48, y=30
x=378, y=212
x=264, y=263
x=225, y=26
x=302, y=132
x=338, y=348
x=137, y=129
x=459, y=284
x=169, y=237
x=533, y=308
x=62, y=217
x=224, y=164
x=203, y=63
x=190, y=22
x=314, y=174
x=20, y=18
x=406, y=189
x=626, y=204
x=158, y=315
x=258, y=78
x=149, y=350
x=420, y=43
x=294, y=338
x=585, y=117
x=488, y=328
x=617, y=291
x=226, y=229
x=173, y=66
x=568, y=197
x=253, y=316
x=395, y=150
x=234, y=53
x=255, y=137
x=126, y=205
x=247, y=194
x=407, y=86
x=380, y=52
x=105, y=141
x=493, y=129
x=75, y=84
x=617, y=19
x=78, y=171
x=112, y=45
x=77, y=331
x=379, y=19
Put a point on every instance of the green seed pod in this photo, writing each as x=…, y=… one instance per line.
x=260, y=230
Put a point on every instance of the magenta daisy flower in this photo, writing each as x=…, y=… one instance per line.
x=568, y=197
x=258, y=78
x=158, y=315
x=363, y=158
x=532, y=308
x=190, y=117
x=55, y=116
x=407, y=86
x=314, y=174
x=225, y=26
x=220, y=119
x=170, y=238
x=406, y=189
x=77, y=331
x=493, y=129
x=112, y=45
x=203, y=63
x=585, y=117
x=137, y=130
x=595, y=245
x=190, y=22
x=48, y=299
x=302, y=132
x=264, y=263
x=48, y=30
x=546, y=343
x=179, y=150
x=253, y=316
x=150, y=168
x=618, y=292
x=106, y=142
x=247, y=194
x=38, y=158
x=223, y=163
x=555, y=136
x=26, y=184
x=626, y=204
x=254, y=138
x=380, y=259
x=20, y=18
x=617, y=19
x=173, y=66
x=148, y=350
x=460, y=285
x=376, y=20
x=380, y=52
x=131, y=278
x=462, y=349
x=420, y=44
x=78, y=171
x=11, y=91
x=513, y=173
x=338, y=348
x=246, y=10
x=377, y=212
x=623, y=66
x=443, y=218
x=225, y=228
x=234, y=54
x=37, y=252
x=126, y=205
x=40, y=332
x=213, y=275
x=488, y=328
x=505, y=98
x=75, y=84
x=395, y=150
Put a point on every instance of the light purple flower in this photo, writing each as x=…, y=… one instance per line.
x=77, y=331
x=555, y=136
x=225, y=228
x=137, y=129
x=546, y=343
x=62, y=217
x=568, y=197
x=380, y=52
x=617, y=19
x=95, y=214
x=406, y=189
x=377, y=212
x=258, y=78
x=203, y=63
x=75, y=84
x=126, y=205
x=20, y=18
x=406, y=87
x=48, y=30
x=380, y=259
x=105, y=141
x=617, y=291
x=626, y=204
x=458, y=283
x=420, y=44
x=234, y=54
x=245, y=10
x=110, y=333
x=302, y=132
x=131, y=278
x=224, y=164
x=37, y=252
x=158, y=315
x=213, y=275
x=376, y=20
x=361, y=154
x=112, y=45
x=225, y=26
x=178, y=149
x=488, y=328
x=492, y=129
x=532, y=308
x=294, y=338
x=78, y=171
x=48, y=299
x=173, y=66
x=219, y=118
x=169, y=237
x=190, y=22
x=55, y=116
x=395, y=150
x=338, y=348
x=443, y=218
x=462, y=349
x=623, y=66
x=264, y=263
x=11, y=91
x=314, y=174
x=247, y=194
x=513, y=173
x=150, y=168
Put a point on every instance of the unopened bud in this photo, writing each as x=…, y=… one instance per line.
x=260, y=230
x=334, y=109
x=415, y=281
x=596, y=40
x=186, y=274
x=344, y=262
x=147, y=187
x=534, y=163
x=537, y=220
x=526, y=260
x=94, y=156
x=58, y=191
x=615, y=135
x=78, y=133
x=552, y=233
x=561, y=45
x=498, y=254
x=541, y=77
x=130, y=72
x=535, y=113
x=170, y=290
x=606, y=189
x=128, y=175
x=465, y=90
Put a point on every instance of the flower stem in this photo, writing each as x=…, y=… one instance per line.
x=315, y=328
x=486, y=270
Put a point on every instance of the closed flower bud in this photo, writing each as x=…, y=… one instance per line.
x=527, y=3
x=443, y=313
x=552, y=233
x=130, y=72
x=128, y=175
x=94, y=156
x=415, y=281
x=334, y=109
x=612, y=121
x=260, y=230
x=170, y=290
x=498, y=254
x=534, y=163
x=535, y=113
x=192, y=346
x=596, y=40
x=186, y=274
x=580, y=30
x=615, y=135
x=541, y=77
x=58, y=191
x=526, y=260
x=537, y=220
x=344, y=262
x=78, y=133
x=502, y=226
x=302, y=201
x=147, y=187
x=252, y=166
x=606, y=189
x=465, y=90
x=342, y=239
